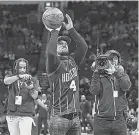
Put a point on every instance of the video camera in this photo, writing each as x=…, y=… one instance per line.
x=102, y=63
x=28, y=82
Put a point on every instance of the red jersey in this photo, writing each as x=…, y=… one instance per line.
x=63, y=74
x=65, y=87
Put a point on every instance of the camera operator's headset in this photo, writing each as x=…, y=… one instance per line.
x=114, y=52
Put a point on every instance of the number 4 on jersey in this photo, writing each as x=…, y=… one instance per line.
x=73, y=85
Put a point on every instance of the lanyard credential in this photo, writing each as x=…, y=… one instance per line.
x=18, y=99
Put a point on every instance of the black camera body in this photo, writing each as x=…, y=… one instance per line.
x=102, y=62
x=28, y=82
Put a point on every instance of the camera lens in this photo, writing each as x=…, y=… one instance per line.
x=101, y=63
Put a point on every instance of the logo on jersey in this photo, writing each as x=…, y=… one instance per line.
x=70, y=75
x=67, y=64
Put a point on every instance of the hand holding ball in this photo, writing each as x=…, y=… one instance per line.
x=52, y=18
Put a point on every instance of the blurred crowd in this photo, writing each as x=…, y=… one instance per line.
x=20, y=35
x=108, y=25
x=20, y=31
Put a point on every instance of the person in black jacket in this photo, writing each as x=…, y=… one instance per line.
x=110, y=91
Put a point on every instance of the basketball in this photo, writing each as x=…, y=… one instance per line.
x=52, y=18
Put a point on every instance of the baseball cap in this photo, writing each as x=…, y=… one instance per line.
x=65, y=38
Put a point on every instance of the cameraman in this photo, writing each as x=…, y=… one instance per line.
x=110, y=88
x=23, y=91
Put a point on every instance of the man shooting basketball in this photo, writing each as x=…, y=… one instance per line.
x=62, y=69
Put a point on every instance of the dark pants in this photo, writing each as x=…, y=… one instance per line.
x=89, y=121
x=109, y=127
x=44, y=120
x=64, y=126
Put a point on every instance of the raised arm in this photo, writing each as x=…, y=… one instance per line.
x=10, y=79
x=52, y=61
x=82, y=47
x=124, y=80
